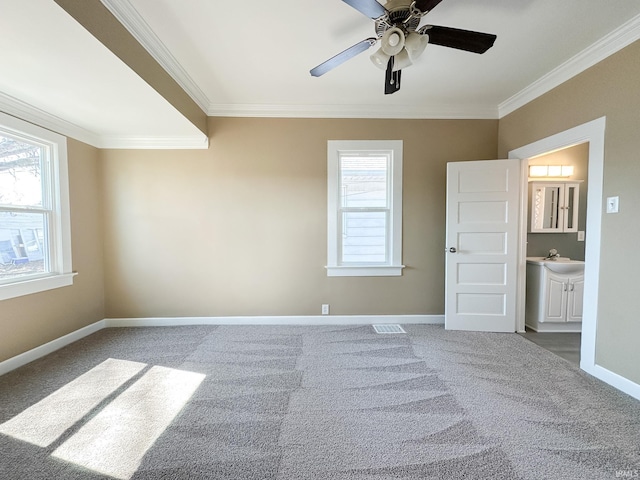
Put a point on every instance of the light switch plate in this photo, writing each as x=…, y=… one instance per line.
x=613, y=204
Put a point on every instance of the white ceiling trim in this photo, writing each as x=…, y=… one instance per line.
x=608, y=45
x=194, y=142
x=355, y=111
x=31, y=114
x=17, y=108
x=135, y=24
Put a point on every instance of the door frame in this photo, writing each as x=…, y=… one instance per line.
x=593, y=133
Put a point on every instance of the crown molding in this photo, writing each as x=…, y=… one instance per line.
x=129, y=17
x=191, y=142
x=603, y=48
x=29, y=113
x=355, y=111
x=17, y=108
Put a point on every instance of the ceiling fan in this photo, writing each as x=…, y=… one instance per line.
x=402, y=40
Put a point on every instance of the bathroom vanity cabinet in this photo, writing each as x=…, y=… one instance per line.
x=554, y=206
x=554, y=298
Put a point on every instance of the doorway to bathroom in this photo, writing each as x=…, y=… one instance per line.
x=566, y=198
x=556, y=223
x=588, y=137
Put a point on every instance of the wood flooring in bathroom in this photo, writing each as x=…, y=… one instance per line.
x=565, y=345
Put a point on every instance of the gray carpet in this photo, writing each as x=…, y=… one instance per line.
x=321, y=403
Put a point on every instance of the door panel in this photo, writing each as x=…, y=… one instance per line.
x=481, y=260
x=481, y=304
x=481, y=274
x=480, y=243
x=482, y=212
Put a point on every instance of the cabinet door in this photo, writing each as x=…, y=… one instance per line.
x=570, y=207
x=556, y=298
x=546, y=207
x=575, y=298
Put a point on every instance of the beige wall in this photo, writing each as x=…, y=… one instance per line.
x=240, y=229
x=609, y=88
x=30, y=321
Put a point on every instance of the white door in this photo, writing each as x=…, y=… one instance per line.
x=482, y=245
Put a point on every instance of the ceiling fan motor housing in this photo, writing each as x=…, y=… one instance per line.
x=399, y=11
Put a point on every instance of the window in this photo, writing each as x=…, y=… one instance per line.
x=35, y=238
x=364, y=208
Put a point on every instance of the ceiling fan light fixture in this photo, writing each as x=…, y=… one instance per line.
x=380, y=59
x=402, y=40
x=401, y=60
x=415, y=44
x=392, y=41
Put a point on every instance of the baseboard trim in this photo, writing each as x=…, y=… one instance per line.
x=623, y=384
x=50, y=347
x=276, y=320
x=616, y=381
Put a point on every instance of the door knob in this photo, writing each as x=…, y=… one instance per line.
x=453, y=250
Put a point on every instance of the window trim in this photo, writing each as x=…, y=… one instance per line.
x=60, y=262
x=394, y=267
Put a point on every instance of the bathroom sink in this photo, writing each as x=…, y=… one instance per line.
x=559, y=265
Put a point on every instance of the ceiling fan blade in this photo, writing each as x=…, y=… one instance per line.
x=427, y=5
x=370, y=8
x=342, y=57
x=475, y=42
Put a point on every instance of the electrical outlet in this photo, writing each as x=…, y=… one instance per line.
x=325, y=309
x=581, y=236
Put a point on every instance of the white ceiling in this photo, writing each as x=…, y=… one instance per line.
x=252, y=58
x=55, y=73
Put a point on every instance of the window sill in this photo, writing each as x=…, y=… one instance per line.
x=35, y=285
x=366, y=271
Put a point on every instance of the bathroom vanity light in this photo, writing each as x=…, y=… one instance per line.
x=550, y=170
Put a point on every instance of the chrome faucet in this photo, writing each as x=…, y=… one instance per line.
x=553, y=254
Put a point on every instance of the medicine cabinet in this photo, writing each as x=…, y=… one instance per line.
x=554, y=206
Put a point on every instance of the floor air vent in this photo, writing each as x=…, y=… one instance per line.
x=388, y=329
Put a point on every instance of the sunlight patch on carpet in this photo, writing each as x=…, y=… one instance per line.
x=43, y=423
x=115, y=441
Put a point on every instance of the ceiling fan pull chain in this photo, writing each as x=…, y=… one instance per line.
x=392, y=79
